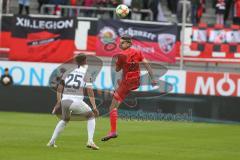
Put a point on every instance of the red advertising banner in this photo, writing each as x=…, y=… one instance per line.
x=42, y=39
x=5, y=33
x=214, y=84
x=156, y=42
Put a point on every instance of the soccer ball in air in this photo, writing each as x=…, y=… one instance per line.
x=122, y=10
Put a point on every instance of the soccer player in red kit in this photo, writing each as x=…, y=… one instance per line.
x=127, y=61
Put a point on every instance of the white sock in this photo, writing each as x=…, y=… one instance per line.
x=59, y=128
x=91, y=129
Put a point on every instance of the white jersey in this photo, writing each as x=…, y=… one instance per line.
x=74, y=83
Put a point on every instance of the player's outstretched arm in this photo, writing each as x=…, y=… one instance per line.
x=150, y=72
x=92, y=100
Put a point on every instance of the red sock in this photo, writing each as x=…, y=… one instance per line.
x=113, y=120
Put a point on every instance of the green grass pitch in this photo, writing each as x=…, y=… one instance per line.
x=23, y=136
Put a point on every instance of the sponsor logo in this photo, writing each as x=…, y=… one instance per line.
x=214, y=84
x=137, y=33
x=166, y=42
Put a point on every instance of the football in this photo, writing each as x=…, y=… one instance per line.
x=6, y=80
x=122, y=10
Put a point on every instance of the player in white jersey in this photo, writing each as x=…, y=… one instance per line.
x=70, y=97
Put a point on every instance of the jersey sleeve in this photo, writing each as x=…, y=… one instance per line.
x=119, y=62
x=140, y=55
x=88, y=82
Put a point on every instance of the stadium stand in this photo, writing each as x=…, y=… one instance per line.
x=208, y=17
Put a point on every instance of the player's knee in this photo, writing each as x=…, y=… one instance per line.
x=112, y=107
x=91, y=114
x=114, y=104
x=66, y=119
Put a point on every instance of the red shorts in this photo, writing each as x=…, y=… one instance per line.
x=124, y=89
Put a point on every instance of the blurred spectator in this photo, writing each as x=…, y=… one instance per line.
x=73, y=12
x=154, y=8
x=6, y=79
x=180, y=10
x=229, y=4
x=88, y=3
x=22, y=4
x=220, y=11
x=5, y=5
x=172, y=6
x=127, y=2
x=146, y=5
x=136, y=5
x=195, y=4
x=236, y=10
x=160, y=15
x=115, y=3
x=58, y=2
x=201, y=9
x=40, y=3
x=198, y=7
x=101, y=3
x=57, y=10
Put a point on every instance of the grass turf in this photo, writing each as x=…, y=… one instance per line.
x=23, y=136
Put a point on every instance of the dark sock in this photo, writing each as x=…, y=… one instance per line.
x=20, y=9
x=27, y=9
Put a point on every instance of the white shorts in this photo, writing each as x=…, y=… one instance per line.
x=74, y=106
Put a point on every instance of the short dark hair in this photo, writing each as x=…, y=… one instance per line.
x=6, y=69
x=127, y=38
x=81, y=59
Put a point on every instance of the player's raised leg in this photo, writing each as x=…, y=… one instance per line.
x=113, y=120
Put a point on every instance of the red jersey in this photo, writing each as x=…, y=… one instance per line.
x=129, y=61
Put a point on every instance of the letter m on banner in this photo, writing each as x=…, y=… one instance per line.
x=42, y=39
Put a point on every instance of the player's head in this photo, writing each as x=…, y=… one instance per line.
x=125, y=42
x=6, y=71
x=81, y=59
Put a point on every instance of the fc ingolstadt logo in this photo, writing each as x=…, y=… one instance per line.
x=166, y=42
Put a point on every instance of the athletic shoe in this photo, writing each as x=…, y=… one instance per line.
x=92, y=146
x=51, y=145
x=109, y=136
